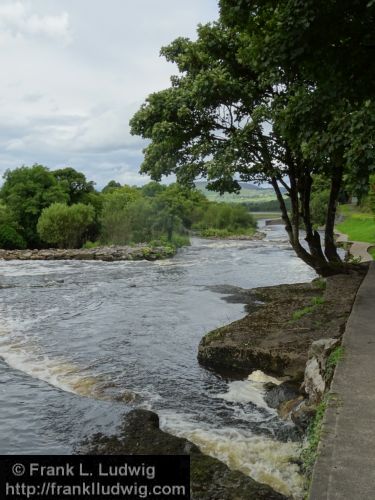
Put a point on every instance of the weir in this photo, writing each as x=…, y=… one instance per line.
x=345, y=466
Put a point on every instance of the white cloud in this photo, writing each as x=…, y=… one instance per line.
x=17, y=19
x=70, y=103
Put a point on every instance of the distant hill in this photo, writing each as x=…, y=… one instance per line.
x=244, y=185
x=249, y=193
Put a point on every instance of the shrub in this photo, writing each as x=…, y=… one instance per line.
x=10, y=239
x=65, y=226
x=224, y=216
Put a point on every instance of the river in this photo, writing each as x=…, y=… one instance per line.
x=82, y=343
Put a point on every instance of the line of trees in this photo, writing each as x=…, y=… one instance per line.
x=61, y=208
x=278, y=92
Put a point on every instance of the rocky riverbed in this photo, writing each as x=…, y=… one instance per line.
x=210, y=478
x=276, y=335
x=289, y=332
x=105, y=253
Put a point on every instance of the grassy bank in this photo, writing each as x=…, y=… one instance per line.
x=266, y=215
x=359, y=226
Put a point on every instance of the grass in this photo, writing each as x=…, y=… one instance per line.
x=299, y=313
x=320, y=283
x=314, y=432
x=332, y=361
x=359, y=226
x=266, y=215
x=371, y=251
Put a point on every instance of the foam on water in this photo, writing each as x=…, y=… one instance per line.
x=250, y=390
x=264, y=459
x=25, y=355
x=261, y=377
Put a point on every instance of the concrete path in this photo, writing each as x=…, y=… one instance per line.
x=345, y=467
x=358, y=249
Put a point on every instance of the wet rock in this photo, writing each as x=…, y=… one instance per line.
x=315, y=383
x=280, y=393
x=302, y=415
x=288, y=433
x=271, y=339
x=109, y=253
x=210, y=478
x=286, y=407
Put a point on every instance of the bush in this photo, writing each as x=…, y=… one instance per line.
x=224, y=216
x=10, y=239
x=318, y=207
x=65, y=226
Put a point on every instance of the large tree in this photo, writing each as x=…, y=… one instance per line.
x=75, y=184
x=26, y=192
x=235, y=112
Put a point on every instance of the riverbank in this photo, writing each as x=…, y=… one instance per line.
x=283, y=324
x=345, y=460
x=276, y=336
x=356, y=232
x=105, y=253
x=292, y=332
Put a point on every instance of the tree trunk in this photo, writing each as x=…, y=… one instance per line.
x=329, y=240
x=315, y=258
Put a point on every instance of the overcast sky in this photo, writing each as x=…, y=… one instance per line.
x=74, y=71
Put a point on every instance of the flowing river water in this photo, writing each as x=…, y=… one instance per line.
x=82, y=343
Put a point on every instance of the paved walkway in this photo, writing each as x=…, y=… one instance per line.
x=345, y=467
x=358, y=249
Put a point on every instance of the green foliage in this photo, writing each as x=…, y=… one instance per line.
x=372, y=252
x=314, y=431
x=226, y=233
x=111, y=186
x=119, y=215
x=10, y=239
x=317, y=301
x=91, y=244
x=299, y=313
x=74, y=184
x=371, y=193
x=280, y=63
x=332, y=361
x=359, y=227
x=178, y=241
x=235, y=219
x=152, y=189
x=26, y=192
x=65, y=226
x=320, y=283
x=266, y=206
x=318, y=207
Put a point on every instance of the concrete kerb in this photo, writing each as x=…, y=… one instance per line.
x=345, y=465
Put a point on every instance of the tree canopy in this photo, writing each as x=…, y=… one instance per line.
x=74, y=183
x=257, y=99
x=26, y=192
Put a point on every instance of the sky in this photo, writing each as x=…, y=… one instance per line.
x=73, y=72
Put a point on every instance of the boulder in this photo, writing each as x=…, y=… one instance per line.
x=210, y=478
x=315, y=383
x=302, y=415
x=280, y=393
